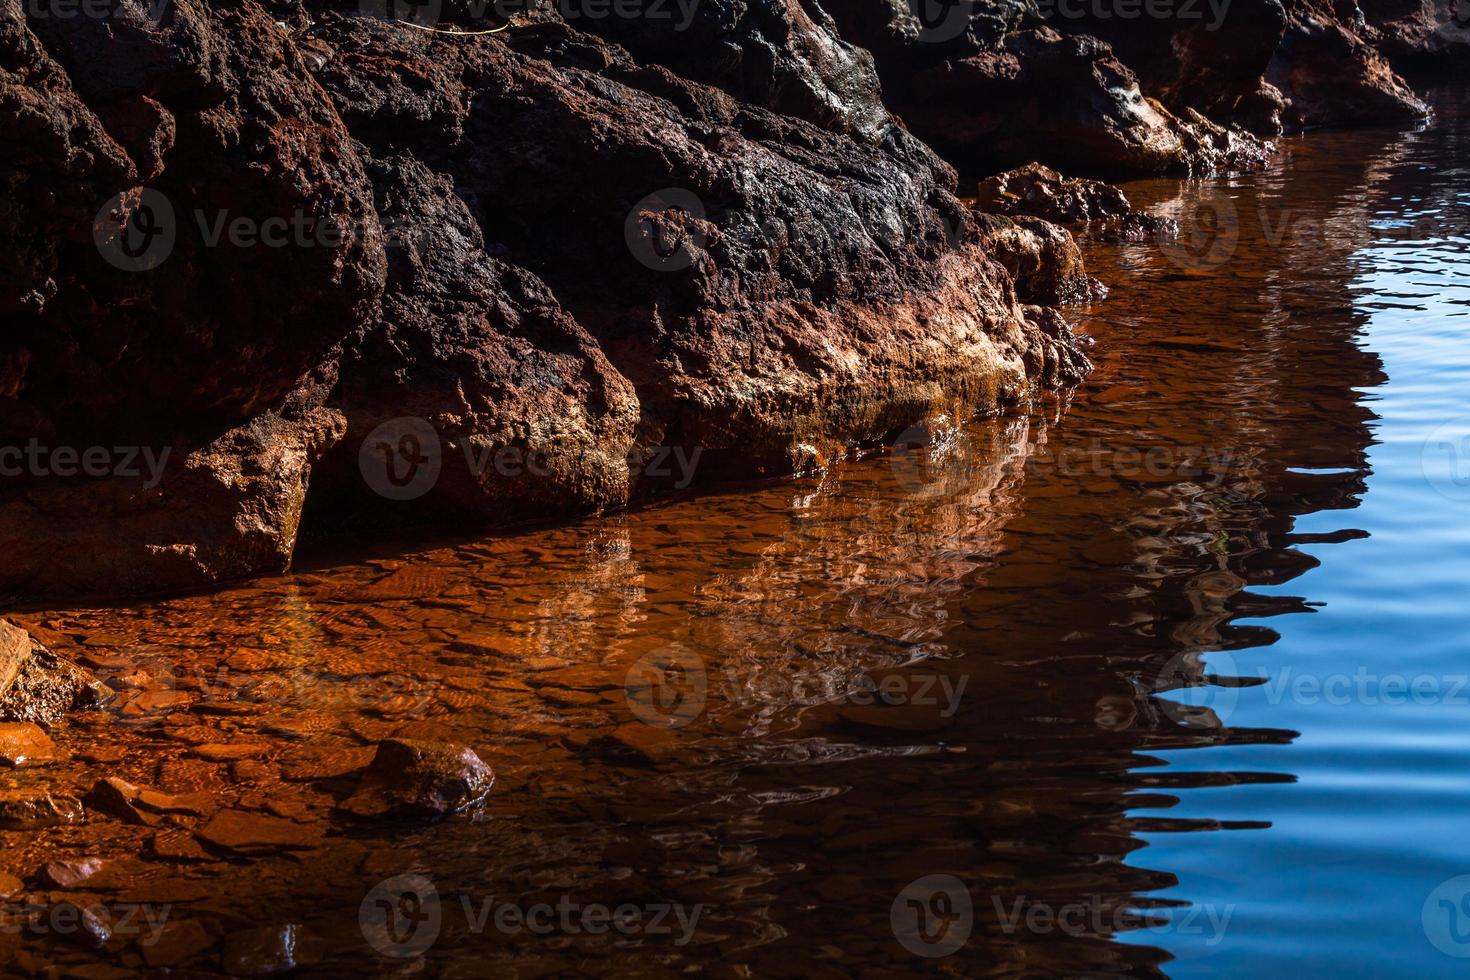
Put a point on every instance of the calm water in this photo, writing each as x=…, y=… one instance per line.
x=1171, y=673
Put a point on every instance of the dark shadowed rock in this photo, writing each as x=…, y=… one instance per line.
x=1331, y=76
x=766, y=286
x=1009, y=89
x=523, y=417
x=810, y=285
x=1421, y=37
x=412, y=779
x=261, y=952
x=783, y=55
x=78, y=925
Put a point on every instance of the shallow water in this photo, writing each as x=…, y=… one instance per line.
x=1171, y=674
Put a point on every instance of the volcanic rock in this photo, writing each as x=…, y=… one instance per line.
x=36, y=685
x=1042, y=258
x=1100, y=209
x=412, y=779
x=1329, y=75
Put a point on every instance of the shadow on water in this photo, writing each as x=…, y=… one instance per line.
x=777, y=714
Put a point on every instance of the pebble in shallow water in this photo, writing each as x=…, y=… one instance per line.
x=410, y=778
x=24, y=744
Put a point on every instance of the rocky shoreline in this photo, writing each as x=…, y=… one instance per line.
x=324, y=270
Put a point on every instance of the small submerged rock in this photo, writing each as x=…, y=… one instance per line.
x=417, y=779
x=69, y=874
x=247, y=832
x=24, y=744
x=143, y=806
x=1102, y=209
x=31, y=809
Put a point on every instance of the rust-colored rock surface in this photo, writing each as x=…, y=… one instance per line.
x=270, y=267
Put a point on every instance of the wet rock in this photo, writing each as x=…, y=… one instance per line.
x=261, y=952
x=1212, y=64
x=1331, y=76
x=39, y=687
x=186, y=354
x=224, y=509
x=783, y=55
x=411, y=779
x=179, y=941
x=24, y=744
x=1420, y=37
x=10, y=885
x=69, y=874
x=244, y=832
x=142, y=806
x=1100, y=209
x=1042, y=258
x=31, y=809
x=78, y=925
x=1010, y=90
x=821, y=281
